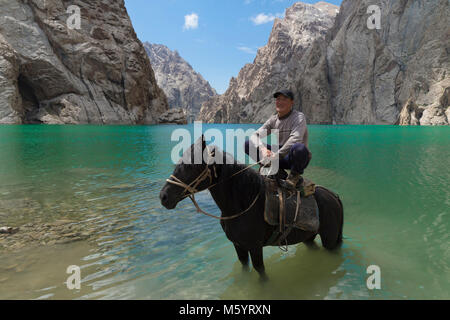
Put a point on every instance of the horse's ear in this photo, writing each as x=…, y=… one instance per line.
x=203, y=142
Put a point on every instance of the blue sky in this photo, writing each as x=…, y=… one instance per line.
x=217, y=38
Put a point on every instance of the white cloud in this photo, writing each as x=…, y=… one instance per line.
x=247, y=50
x=190, y=21
x=265, y=18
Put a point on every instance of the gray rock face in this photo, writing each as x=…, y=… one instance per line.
x=184, y=88
x=398, y=74
x=173, y=116
x=249, y=96
x=10, y=100
x=97, y=74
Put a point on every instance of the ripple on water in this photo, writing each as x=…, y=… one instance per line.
x=393, y=185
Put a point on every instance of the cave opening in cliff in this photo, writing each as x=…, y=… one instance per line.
x=30, y=103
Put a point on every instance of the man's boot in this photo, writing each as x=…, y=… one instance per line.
x=293, y=179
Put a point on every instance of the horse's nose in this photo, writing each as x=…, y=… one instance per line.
x=164, y=197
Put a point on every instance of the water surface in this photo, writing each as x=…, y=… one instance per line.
x=393, y=181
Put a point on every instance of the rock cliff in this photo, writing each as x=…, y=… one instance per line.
x=53, y=72
x=397, y=74
x=249, y=96
x=183, y=86
x=173, y=116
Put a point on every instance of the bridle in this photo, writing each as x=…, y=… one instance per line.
x=192, y=188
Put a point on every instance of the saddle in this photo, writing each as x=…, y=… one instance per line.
x=290, y=208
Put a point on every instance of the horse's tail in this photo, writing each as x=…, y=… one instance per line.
x=331, y=217
x=342, y=220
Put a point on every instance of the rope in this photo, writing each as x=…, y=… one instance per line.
x=192, y=197
x=207, y=174
x=289, y=229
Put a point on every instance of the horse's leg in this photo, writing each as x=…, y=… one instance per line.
x=258, y=262
x=310, y=243
x=243, y=256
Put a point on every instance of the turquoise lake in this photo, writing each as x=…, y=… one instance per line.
x=393, y=182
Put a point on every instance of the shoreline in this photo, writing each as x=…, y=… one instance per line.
x=189, y=124
x=33, y=235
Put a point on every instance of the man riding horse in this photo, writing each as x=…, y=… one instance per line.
x=293, y=152
x=240, y=194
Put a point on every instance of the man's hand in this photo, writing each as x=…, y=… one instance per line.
x=266, y=152
x=268, y=158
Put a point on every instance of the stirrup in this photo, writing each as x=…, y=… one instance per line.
x=288, y=186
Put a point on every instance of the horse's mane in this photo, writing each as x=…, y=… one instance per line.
x=241, y=182
x=230, y=165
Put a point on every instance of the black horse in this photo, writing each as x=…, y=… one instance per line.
x=234, y=190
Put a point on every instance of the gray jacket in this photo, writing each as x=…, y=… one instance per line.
x=292, y=129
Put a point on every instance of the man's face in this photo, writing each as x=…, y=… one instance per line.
x=283, y=104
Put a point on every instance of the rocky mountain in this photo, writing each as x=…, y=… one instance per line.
x=397, y=74
x=185, y=89
x=54, y=70
x=173, y=116
x=249, y=96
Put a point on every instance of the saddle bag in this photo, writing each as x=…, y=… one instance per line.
x=287, y=209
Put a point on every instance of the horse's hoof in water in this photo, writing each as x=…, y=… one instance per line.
x=245, y=268
x=263, y=278
x=312, y=245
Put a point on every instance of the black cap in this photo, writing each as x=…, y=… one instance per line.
x=285, y=93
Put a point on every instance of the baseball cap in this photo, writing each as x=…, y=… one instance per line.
x=286, y=93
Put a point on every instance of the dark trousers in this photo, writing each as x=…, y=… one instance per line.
x=297, y=160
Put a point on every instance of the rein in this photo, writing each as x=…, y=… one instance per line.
x=192, y=189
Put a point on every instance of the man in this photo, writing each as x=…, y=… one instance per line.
x=293, y=137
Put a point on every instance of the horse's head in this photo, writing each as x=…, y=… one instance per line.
x=193, y=173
